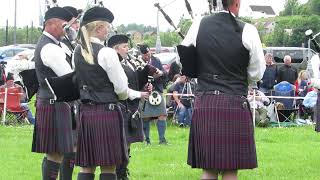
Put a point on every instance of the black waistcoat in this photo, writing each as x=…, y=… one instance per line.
x=93, y=81
x=133, y=83
x=43, y=71
x=222, y=58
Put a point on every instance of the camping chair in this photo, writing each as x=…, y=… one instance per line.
x=288, y=111
x=10, y=106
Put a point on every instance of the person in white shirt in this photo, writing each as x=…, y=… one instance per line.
x=229, y=57
x=53, y=126
x=102, y=82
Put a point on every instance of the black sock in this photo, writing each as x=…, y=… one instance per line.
x=44, y=164
x=85, y=176
x=122, y=171
x=108, y=176
x=66, y=167
x=50, y=169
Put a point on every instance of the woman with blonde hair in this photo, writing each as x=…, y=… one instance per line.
x=102, y=82
x=301, y=84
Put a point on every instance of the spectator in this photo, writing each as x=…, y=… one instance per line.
x=260, y=103
x=287, y=72
x=270, y=74
x=183, y=103
x=310, y=99
x=301, y=84
x=18, y=64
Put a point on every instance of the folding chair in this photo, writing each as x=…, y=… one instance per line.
x=289, y=110
x=10, y=106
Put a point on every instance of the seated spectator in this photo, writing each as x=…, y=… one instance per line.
x=23, y=103
x=183, y=103
x=301, y=84
x=261, y=101
x=310, y=99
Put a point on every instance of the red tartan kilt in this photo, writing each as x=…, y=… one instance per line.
x=222, y=134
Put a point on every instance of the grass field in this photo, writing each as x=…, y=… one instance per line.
x=283, y=153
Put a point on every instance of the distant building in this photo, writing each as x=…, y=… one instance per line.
x=259, y=11
x=135, y=36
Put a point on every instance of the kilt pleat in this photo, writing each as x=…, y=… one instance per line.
x=317, y=114
x=222, y=134
x=53, y=128
x=101, y=139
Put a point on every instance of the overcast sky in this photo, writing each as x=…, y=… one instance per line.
x=125, y=11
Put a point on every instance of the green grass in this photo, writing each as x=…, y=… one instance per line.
x=283, y=153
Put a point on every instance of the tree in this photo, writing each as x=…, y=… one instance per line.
x=290, y=8
x=289, y=31
x=25, y=35
x=314, y=6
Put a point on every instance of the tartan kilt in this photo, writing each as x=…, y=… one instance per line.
x=53, y=128
x=151, y=111
x=101, y=140
x=222, y=134
x=317, y=114
x=132, y=134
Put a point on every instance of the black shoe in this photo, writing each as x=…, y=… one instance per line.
x=148, y=141
x=181, y=125
x=163, y=142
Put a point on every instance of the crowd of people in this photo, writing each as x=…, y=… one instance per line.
x=118, y=99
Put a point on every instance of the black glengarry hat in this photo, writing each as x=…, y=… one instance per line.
x=117, y=39
x=72, y=10
x=144, y=49
x=58, y=12
x=97, y=14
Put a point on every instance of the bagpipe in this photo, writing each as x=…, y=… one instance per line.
x=188, y=55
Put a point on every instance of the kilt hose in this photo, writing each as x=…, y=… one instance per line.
x=317, y=114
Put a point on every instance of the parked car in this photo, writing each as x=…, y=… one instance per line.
x=7, y=52
x=29, y=46
x=166, y=58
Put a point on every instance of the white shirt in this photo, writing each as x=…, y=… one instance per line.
x=16, y=66
x=250, y=40
x=54, y=57
x=108, y=59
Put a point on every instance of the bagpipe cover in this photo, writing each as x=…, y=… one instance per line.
x=65, y=87
x=188, y=59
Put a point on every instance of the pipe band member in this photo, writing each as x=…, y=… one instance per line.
x=136, y=77
x=102, y=82
x=229, y=58
x=148, y=110
x=53, y=127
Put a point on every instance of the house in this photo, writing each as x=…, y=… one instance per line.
x=259, y=11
